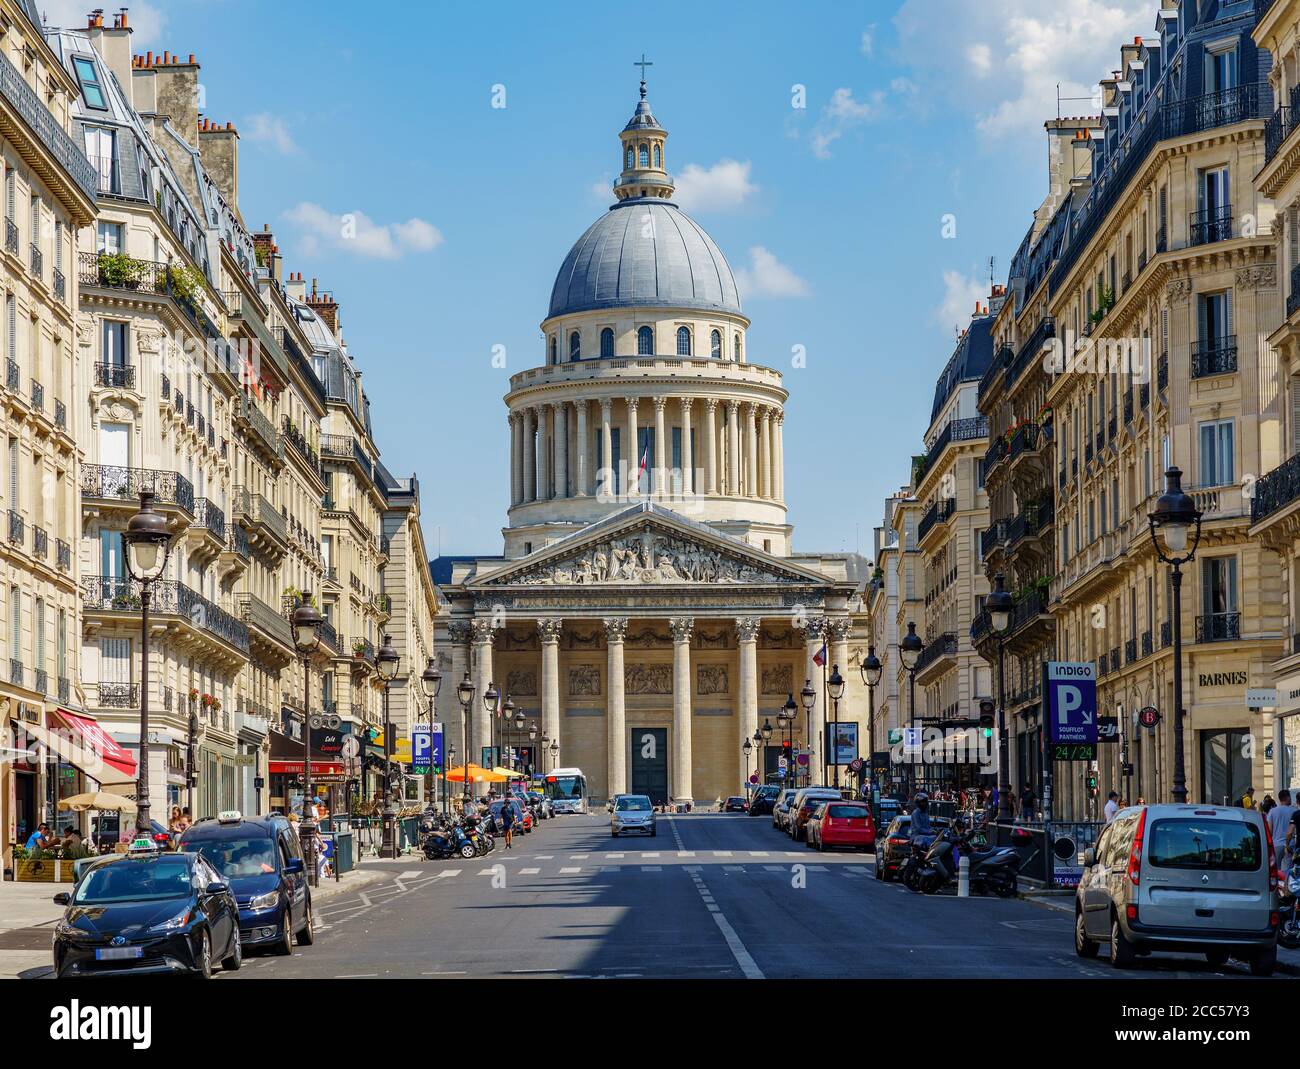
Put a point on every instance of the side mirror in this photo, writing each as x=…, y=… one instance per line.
x=217, y=888
x=293, y=865
x=1089, y=858
x=62, y=898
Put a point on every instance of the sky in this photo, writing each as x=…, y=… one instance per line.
x=857, y=163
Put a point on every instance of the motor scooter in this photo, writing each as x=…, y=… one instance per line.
x=991, y=868
x=1288, y=907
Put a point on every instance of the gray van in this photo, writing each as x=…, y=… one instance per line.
x=1190, y=878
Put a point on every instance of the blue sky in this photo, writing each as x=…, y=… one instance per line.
x=831, y=214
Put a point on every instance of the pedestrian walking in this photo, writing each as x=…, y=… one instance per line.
x=1111, y=807
x=1027, y=800
x=1247, y=800
x=508, y=824
x=1279, y=825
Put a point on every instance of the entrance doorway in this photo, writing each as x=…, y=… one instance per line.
x=650, y=763
x=1225, y=768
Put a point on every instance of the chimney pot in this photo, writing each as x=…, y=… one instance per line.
x=191, y=57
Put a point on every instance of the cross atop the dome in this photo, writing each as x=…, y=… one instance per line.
x=643, y=63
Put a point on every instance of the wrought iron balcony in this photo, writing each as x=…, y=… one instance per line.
x=1114, y=659
x=119, y=695
x=294, y=436
x=1274, y=491
x=1293, y=295
x=40, y=543
x=1162, y=241
x=17, y=528
x=259, y=614
x=1130, y=650
x=1128, y=408
x=65, y=689
x=943, y=646
x=1146, y=643
x=363, y=650
x=38, y=396
x=104, y=593
x=115, y=376
x=261, y=428
x=1218, y=627
x=258, y=510
x=1277, y=128
x=17, y=674
x=957, y=430
x=1214, y=356
x=27, y=102
x=62, y=555
x=13, y=374
x=125, y=484
x=60, y=285
x=940, y=512
x=11, y=236
x=1166, y=634
x=42, y=681
x=1209, y=224
x=1162, y=372
x=208, y=515
x=37, y=262
x=1144, y=395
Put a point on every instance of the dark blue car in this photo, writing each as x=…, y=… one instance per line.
x=261, y=859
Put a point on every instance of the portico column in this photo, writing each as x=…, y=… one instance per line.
x=688, y=457
x=661, y=450
x=530, y=454
x=615, y=716
x=482, y=639
x=544, y=453
x=813, y=725
x=681, y=627
x=632, y=451
x=516, y=465
x=459, y=632
x=778, y=462
x=561, y=421
x=733, y=448
x=549, y=630
x=765, y=455
x=751, y=450
x=710, y=445
x=605, y=477
x=747, y=632
x=583, y=448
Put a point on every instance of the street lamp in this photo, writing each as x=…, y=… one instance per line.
x=306, y=637
x=147, y=543
x=555, y=753
x=430, y=684
x=532, y=752
x=545, y=742
x=521, y=722
x=835, y=688
x=507, y=715
x=747, y=749
x=909, y=652
x=386, y=662
x=1171, y=523
x=786, y=715
x=760, y=754
x=465, y=694
x=999, y=604
x=871, y=669
x=491, y=697
x=808, y=697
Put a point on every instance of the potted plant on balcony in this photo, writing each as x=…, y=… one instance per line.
x=194, y=695
x=125, y=601
x=119, y=269
x=359, y=649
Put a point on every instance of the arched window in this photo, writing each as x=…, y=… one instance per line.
x=645, y=342
x=735, y=355
x=629, y=157
x=683, y=341
x=575, y=345
x=715, y=345
x=658, y=156
x=554, y=350
x=607, y=342
x=643, y=156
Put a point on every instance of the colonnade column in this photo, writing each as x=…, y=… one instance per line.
x=661, y=449
x=814, y=723
x=733, y=448
x=560, y=418
x=751, y=450
x=605, y=477
x=710, y=445
x=516, y=459
x=549, y=631
x=681, y=627
x=530, y=455
x=631, y=451
x=765, y=455
x=482, y=640
x=583, y=450
x=778, y=457
x=616, y=720
x=688, y=457
x=544, y=453
x=747, y=632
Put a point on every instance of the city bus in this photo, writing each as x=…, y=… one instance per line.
x=567, y=790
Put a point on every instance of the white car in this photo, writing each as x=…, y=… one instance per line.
x=632, y=812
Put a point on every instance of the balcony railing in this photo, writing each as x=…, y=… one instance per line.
x=1130, y=650
x=1209, y=224
x=940, y=512
x=11, y=236
x=260, y=615
x=40, y=543
x=1218, y=627
x=27, y=102
x=294, y=436
x=1274, y=491
x=1146, y=643
x=60, y=285
x=17, y=528
x=126, y=484
x=1214, y=356
x=62, y=555
x=119, y=695
x=957, y=430
x=261, y=427
x=13, y=374
x=260, y=511
x=116, y=376
x=1277, y=128
x=37, y=262
x=1166, y=634
x=208, y=515
x=1293, y=295
x=943, y=646
x=167, y=597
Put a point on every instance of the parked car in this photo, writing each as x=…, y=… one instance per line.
x=541, y=804
x=842, y=824
x=633, y=812
x=895, y=845
x=261, y=860
x=763, y=800
x=735, y=804
x=781, y=808
x=147, y=911
x=1183, y=878
x=523, y=818
x=804, y=804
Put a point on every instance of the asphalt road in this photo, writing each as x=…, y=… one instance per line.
x=711, y=896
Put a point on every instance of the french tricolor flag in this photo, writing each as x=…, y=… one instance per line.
x=819, y=658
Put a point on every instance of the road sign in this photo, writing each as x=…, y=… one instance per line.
x=753, y=777
x=1149, y=717
x=351, y=746
x=781, y=763
x=1071, y=692
x=421, y=750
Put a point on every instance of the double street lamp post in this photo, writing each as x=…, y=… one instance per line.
x=306, y=637
x=999, y=604
x=465, y=695
x=909, y=652
x=785, y=715
x=808, y=697
x=386, y=663
x=431, y=683
x=1172, y=522
x=834, y=687
x=764, y=736
x=747, y=749
x=147, y=542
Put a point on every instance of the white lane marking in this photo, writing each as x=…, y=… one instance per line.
x=356, y=976
x=649, y=853
x=758, y=853
x=579, y=857
x=410, y=875
x=529, y=872
x=691, y=868
x=733, y=868
x=721, y=853
x=743, y=958
x=860, y=869
x=445, y=972
x=685, y=853
x=449, y=872
x=544, y=857
x=773, y=868
x=651, y=868
x=570, y=871
x=486, y=872
x=612, y=856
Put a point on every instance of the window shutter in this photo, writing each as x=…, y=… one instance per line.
x=1227, y=303
x=1295, y=413
x=1293, y=238
x=1164, y=330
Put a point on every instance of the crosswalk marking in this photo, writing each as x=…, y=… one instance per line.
x=651, y=868
x=721, y=853
x=529, y=872
x=774, y=868
x=578, y=857
x=486, y=872
x=615, y=855
x=410, y=875
x=733, y=868
x=649, y=853
x=570, y=871
x=685, y=853
x=758, y=853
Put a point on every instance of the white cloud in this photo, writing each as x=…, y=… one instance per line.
x=272, y=130
x=1000, y=61
x=766, y=276
x=869, y=41
x=146, y=20
x=960, y=295
x=725, y=185
x=841, y=114
x=356, y=232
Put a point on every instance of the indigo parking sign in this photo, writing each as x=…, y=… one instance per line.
x=1070, y=690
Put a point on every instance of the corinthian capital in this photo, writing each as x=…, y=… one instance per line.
x=459, y=631
x=549, y=628
x=681, y=627
x=482, y=631
x=838, y=629
x=615, y=628
x=747, y=628
x=813, y=627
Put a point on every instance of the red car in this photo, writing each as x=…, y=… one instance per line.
x=847, y=824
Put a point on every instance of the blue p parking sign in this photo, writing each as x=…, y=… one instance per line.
x=1070, y=690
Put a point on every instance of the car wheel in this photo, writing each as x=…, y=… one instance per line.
x=203, y=959
x=1121, y=950
x=467, y=851
x=307, y=935
x=284, y=945
x=1263, y=963
x=1083, y=946
x=236, y=959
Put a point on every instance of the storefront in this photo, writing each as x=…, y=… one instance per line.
x=1285, y=739
x=329, y=775
x=1229, y=749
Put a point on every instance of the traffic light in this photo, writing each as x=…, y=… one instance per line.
x=1092, y=782
x=986, y=717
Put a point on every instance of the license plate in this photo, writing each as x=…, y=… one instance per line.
x=118, y=953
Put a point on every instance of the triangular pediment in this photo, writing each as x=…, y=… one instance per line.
x=648, y=545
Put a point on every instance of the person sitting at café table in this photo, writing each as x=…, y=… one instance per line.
x=41, y=839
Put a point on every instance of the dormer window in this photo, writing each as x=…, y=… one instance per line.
x=91, y=89
x=607, y=342
x=683, y=341
x=575, y=345
x=645, y=342
x=715, y=345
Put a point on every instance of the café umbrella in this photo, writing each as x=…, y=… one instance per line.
x=476, y=774
x=100, y=800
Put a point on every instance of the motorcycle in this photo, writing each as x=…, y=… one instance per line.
x=448, y=839
x=1288, y=907
x=479, y=836
x=909, y=873
x=991, y=869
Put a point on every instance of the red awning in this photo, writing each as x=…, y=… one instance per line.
x=318, y=768
x=96, y=739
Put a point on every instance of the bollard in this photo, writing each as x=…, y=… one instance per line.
x=963, y=877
